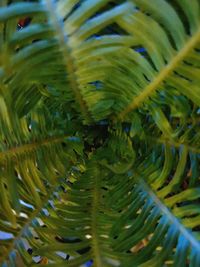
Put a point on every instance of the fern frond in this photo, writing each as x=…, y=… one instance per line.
x=87, y=220
x=79, y=29
x=167, y=219
x=28, y=214
x=173, y=72
x=99, y=133
x=34, y=155
x=173, y=144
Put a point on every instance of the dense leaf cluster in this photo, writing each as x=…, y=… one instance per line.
x=100, y=133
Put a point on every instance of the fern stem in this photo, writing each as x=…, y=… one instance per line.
x=163, y=74
x=94, y=226
x=68, y=59
x=31, y=146
x=173, y=144
x=192, y=121
x=23, y=228
x=165, y=211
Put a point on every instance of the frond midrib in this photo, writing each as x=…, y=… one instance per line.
x=172, y=143
x=31, y=146
x=68, y=61
x=162, y=75
x=28, y=222
x=164, y=210
x=94, y=220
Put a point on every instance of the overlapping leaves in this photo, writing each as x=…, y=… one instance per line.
x=129, y=71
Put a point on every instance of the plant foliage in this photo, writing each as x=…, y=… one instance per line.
x=100, y=133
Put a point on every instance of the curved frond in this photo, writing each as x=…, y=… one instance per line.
x=99, y=133
x=169, y=57
x=159, y=222
x=30, y=174
x=77, y=229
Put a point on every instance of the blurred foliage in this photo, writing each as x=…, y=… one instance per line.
x=100, y=133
